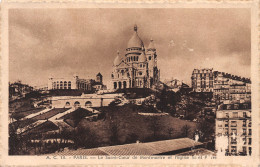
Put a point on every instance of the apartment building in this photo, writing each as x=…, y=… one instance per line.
x=234, y=129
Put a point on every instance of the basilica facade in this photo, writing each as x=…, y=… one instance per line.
x=138, y=67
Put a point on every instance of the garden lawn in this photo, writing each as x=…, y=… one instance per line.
x=132, y=126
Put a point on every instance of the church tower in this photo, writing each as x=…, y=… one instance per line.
x=154, y=73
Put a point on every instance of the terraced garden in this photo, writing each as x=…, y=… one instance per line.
x=50, y=114
x=18, y=115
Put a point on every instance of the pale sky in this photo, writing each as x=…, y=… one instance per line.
x=63, y=42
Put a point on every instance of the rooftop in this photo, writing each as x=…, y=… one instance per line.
x=151, y=148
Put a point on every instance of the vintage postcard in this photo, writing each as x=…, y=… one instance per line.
x=129, y=83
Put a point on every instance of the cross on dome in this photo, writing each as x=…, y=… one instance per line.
x=135, y=28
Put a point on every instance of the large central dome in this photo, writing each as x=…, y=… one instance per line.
x=135, y=41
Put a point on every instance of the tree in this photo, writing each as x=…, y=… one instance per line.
x=185, y=130
x=206, y=129
x=84, y=137
x=155, y=126
x=170, y=132
x=114, y=129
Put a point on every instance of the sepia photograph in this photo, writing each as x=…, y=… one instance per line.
x=130, y=82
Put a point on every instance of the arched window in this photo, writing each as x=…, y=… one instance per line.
x=137, y=58
x=54, y=85
x=77, y=104
x=134, y=58
x=88, y=104
x=65, y=84
x=69, y=85
x=58, y=85
x=119, y=85
x=124, y=84
x=131, y=58
x=115, y=85
x=61, y=85
x=112, y=75
x=67, y=103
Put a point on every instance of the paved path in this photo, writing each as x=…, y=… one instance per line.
x=35, y=114
x=58, y=116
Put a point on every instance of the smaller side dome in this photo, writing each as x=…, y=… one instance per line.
x=142, y=57
x=117, y=60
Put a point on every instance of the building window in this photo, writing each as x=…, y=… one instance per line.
x=226, y=131
x=233, y=149
x=119, y=85
x=244, y=139
x=250, y=132
x=244, y=123
x=228, y=107
x=235, y=114
x=67, y=103
x=227, y=115
x=249, y=150
x=61, y=85
x=244, y=131
x=244, y=114
x=76, y=104
x=244, y=150
x=233, y=131
x=249, y=124
x=58, y=85
x=249, y=141
x=233, y=124
x=233, y=140
x=69, y=85
x=88, y=104
x=65, y=85
x=226, y=123
x=150, y=57
x=124, y=84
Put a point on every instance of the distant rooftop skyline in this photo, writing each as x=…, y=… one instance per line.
x=64, y=42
